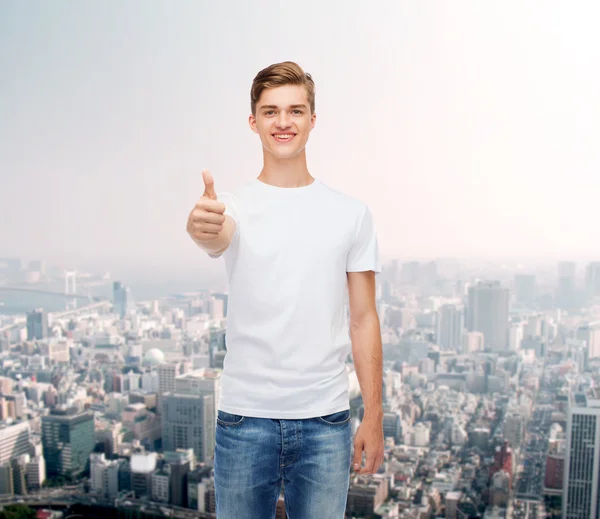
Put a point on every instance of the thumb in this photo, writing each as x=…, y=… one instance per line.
x=209, y=185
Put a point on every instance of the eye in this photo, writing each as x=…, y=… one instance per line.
x=269, y=112
x=299, y=112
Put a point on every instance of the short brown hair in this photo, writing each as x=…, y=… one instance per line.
x=279, y=74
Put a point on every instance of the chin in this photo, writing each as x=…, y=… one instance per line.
x=280, y=154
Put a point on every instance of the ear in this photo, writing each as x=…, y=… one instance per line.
x=252, y=123
x=313, y=120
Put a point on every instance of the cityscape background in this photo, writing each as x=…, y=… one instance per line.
x=470, y=130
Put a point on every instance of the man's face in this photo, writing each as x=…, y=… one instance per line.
x=283, y=120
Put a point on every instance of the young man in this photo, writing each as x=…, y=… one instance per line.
x=295, y=250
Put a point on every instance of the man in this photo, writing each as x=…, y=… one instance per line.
x=294, y=250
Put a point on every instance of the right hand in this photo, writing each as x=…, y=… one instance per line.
x=206, y=219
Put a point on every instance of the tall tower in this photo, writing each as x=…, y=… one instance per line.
x=592, y=279
x=37, y=324
x=71, y=287
x=122, y=299
x=450, y=327
x=525, y=289
x=566, y=291
x=488, y=313
x=582, y=461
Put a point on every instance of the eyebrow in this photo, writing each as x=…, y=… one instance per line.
x=270, y=107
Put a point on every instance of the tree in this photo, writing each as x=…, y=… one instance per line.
x=17, y=512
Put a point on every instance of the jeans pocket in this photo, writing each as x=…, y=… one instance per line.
x=337, y=418
x=229, y=419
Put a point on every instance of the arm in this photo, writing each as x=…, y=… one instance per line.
x=365, y=334
x=368, y=359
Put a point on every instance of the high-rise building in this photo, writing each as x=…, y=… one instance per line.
x=122, y=299
x=167, y=371
x=555, y=467
x=6, y=385
x=68, y=440
x=450, y=327
x=200, y=382
x=217, y=347
x=37, y=325
x=488, y=313
x=198, y=482
x=143, y=465
x=525, y=289
x=104, y=475
x=410, y=273
x=392, y=426
x=36, y=473
x=516, y=332
x=188, y=422
x=581, y=499
x=566, y=291
x=14, y=441
x=12, y=406
x=472, y=342
x=6, y=479
x=59, y=350
x=160, y=485
x=590, y=333
x=592, y=279
x=514, y=429
x=180, y=463
x=19, y=468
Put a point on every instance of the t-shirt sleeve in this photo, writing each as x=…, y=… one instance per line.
x=231, y=209
x=364, y=254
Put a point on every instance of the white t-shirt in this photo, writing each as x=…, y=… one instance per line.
x=287, y=320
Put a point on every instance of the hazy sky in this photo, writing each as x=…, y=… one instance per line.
x=470, y=128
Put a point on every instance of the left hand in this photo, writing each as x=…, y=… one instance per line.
x=369, y=438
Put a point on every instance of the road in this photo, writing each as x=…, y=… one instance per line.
x=532, y=465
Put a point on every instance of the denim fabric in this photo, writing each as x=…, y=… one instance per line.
x=254, y=456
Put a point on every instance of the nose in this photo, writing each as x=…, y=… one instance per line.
x=283, y=120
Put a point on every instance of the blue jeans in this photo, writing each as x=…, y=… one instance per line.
x=254, y=456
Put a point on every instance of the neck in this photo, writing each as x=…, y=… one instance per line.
x=292, y=172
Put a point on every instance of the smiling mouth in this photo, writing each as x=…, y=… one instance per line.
x=283, y=137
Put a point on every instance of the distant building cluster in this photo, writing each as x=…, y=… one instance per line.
x=489, y=393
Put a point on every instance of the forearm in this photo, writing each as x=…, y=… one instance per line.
x=368, y=362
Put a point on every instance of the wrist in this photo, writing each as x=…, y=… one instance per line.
x=373, y=414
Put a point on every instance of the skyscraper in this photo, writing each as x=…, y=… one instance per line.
x=68, y=440
x=592, y=279
x=450, y=327
x=37, y=325
x=122, y=299
x=525, y=289
x=488, y=313
x=582, y=463
x=590, y=333
x=566, y=291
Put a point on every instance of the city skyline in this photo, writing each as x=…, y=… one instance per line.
x=473, y=126
x=470, y=132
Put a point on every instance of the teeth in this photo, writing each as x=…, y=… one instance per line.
x=286, y=136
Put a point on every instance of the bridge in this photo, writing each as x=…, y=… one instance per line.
x=103, y=303
x=5, y=288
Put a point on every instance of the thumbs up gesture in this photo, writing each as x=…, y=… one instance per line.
x=206, y=219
